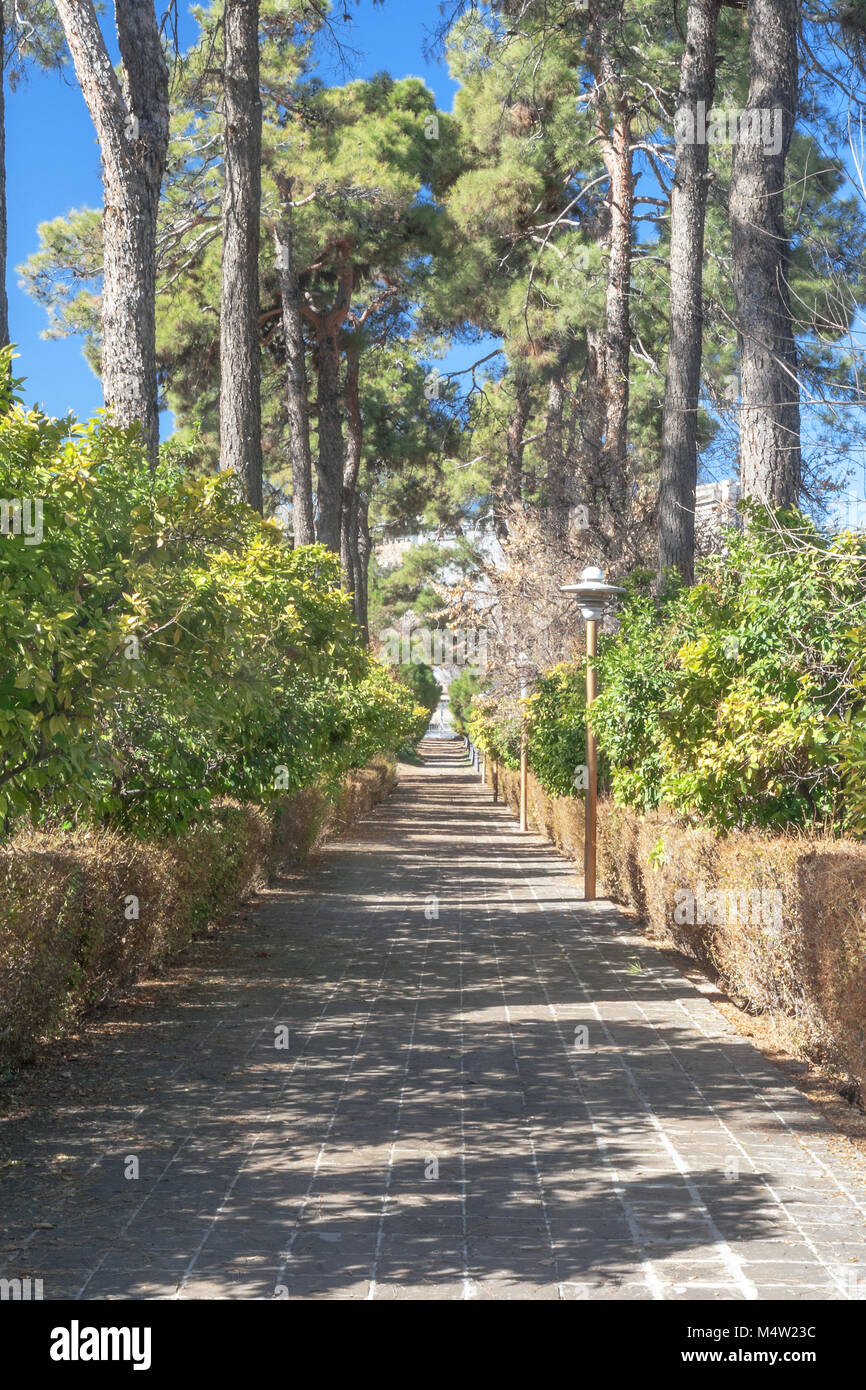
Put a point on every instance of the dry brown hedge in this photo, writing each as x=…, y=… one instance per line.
x=560, y=818
x=69, y=933
x=799, y=957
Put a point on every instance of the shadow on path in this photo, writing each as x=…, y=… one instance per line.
x=426, y=1069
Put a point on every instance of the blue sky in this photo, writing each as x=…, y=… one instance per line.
x=53, y=165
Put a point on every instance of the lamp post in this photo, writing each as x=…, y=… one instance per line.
x=592, y=593
x=523, y=663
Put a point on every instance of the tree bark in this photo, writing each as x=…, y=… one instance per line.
x=591, y=416
x=364, y=549
x=4, y=302
x=351, y=472
x=554, y=448
x=613, y=130
x=240, y=366
x=618, y=309
x=357, y=564
x=512, y=493
x=297, y=402
x=331, y=461
x=770, y=460
x=131, y=123
x=679, y=461
x=132, y=128
x=327, y=325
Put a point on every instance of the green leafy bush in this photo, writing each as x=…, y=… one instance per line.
x=381, y=714
x=728, y=701
x=162, y=646
x=737, y=702
x=752, y=729
x=637, y=667
x=418, y=677
x=556, y=729
x=461, y=693
x=495, y=728
x=853, y=768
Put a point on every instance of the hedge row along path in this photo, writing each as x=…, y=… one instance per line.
x=511, y=1099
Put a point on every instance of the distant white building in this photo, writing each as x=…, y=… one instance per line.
x=715, y=508
x=441, y=725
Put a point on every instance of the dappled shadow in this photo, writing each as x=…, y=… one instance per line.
x=427, y=1064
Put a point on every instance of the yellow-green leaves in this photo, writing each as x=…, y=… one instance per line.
x=163, y=646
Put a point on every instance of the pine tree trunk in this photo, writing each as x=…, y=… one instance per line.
x=512, y=495
x=351, y=471
x=240, y=366
x=770, y=460
x=590, y=410
x=618, y=313
x=613, y=130
x=328, y=325
x=132, y=127
x=4, y=303
x=331, y=460
x=296, y=386
x=554, y=449
x=364, y=550
x=357, y=568
x=679, y=462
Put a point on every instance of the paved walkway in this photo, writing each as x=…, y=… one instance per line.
x=490, y=1090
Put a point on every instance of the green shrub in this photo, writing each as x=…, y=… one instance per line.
x=637, y=667
x=556, y=729
x=461, y=693
x=418, y=677
x=162, y=646
x=852, y=753
x=737, y=702
x=752, y=731
x=495, y=728
x=381, y=714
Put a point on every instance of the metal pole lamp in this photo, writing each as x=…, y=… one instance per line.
x=523, y=665
x=592, y=593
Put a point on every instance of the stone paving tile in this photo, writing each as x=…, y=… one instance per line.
x=435, y=1130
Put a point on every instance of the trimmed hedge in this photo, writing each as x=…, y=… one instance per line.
x=85, y=912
